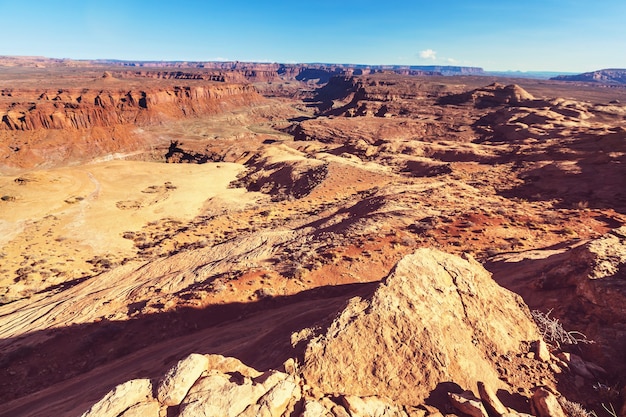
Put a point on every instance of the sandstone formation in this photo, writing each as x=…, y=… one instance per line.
x=435, y=318
x=283, y=173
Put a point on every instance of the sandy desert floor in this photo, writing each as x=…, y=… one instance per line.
x=65, y=224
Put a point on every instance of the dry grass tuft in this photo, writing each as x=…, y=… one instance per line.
x=553, y=332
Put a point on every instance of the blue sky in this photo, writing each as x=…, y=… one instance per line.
x=535, y=35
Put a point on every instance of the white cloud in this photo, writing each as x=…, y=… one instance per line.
x=428, y=54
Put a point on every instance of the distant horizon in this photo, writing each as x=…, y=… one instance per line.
x=566, y=36
x=347, y=64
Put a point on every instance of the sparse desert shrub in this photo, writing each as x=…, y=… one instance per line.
x=573, y=409
x=264, y=292
x=74, y=199
x=128, y=235
x=581, y=205
x=610, y=409
x=553, y=332
x=567, y=231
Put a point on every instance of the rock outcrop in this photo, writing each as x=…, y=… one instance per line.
x=204, y=386
x=283, y=173
x=490, y=96
x=435, y=318
x=590, y=278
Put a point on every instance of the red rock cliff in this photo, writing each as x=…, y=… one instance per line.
x=85, y=108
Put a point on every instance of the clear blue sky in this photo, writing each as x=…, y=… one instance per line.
x=546, y=35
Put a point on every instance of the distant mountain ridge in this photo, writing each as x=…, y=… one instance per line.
x=257, y=70
x=604, y=76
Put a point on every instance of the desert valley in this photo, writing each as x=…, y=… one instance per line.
x=241, y=239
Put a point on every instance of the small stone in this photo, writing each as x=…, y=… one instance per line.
x=579, y=367
x=467, y=403
x=490, y=400
x=369, y=406
x=339, y=411
x=546, y=404
x=290, y=365
x=555, y=368
x=541, y=351
x=432, y=411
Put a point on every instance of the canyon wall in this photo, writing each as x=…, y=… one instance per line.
x=86, y=108
x=50, y=127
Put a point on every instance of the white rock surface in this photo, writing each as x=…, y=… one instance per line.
x=121, y=398
x=179, y=379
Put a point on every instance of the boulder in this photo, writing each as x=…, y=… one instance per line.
x=276, y=401
x=578, y=365
x=436, y=317
x=218, y=396
x=121, y=398
x=179, y=379
x=603, y=282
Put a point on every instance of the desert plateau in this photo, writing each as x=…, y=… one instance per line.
x=255, y=239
